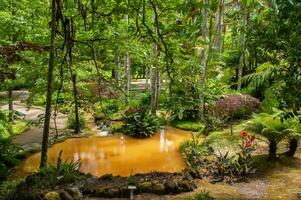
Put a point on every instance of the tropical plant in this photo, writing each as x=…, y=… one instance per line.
x=138, y=122
x=244, y=162
x=272, y=128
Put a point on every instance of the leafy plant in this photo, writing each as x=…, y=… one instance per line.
x=272, y=128
x=244, y=162
x=60, y=173
x=203, y=195
x=225, y=164
x=193, y=150
x=138, y=122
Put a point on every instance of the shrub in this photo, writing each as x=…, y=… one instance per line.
x=272, y=128
x=138, y=122
x=71, y=121
x=8, y=151
x=212, y=124
x=244, y=162
x=234, y=107
x=61, y=173
x=188, y=125
x=203, y=195
x=193, y=150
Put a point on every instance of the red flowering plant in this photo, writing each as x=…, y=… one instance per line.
x=245, y=163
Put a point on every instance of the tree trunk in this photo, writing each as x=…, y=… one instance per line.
x=49, y=86
x=154, y=89
x=293, y=145
x=203, y=62
x=117, y=70
x=127, y=70
x=77, y=125
x=242, y=44
x=272, y=149
x=219, y=27
x=147, y=77
x=127, y=74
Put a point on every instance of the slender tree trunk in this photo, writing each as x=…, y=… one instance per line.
x=127, y=74
x=77, y=125
x=10, y=97
x=219, y=27
x=117, y=70
x=127, y=70
x=147, y=72
x=242, y=44
x=10, y=104
x=154, y=89
x=155, y=74
x=203, y=62
x=49, y=86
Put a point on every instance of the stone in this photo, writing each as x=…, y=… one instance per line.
x=75, y=193
x=52, y=196
x=158, y=188
x=113, y=192
x=145, y=186
x=65, y=195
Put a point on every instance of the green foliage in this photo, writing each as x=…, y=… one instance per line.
x=138, y=122
x=61, y=173
x=188, y=125
x=8, y=151
x=192, y=150
x=203, y=195
x=8, y=188
x=71, y=121
x=19, y=126
x=225, y=163
x=272, y=128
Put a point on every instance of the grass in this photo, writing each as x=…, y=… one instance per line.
x=225, y=140
x=19, y=126
x=188, y=125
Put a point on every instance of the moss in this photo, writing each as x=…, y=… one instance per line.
x=52, y=196
x=19, y=126
x=188, y=125
x=145, y=186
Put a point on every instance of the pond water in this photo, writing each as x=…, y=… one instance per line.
x=118, y=155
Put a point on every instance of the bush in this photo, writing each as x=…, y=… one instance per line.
x=204, y=195
x=234, y=107
x=71, y=121
x=8, y=151
x=193, y=151
x=212, y=124
x=272, y=128
x=138, y=122
x=8, y=188
x=188, y=125
x=61, y=173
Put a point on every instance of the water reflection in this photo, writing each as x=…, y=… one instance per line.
x=119, y=155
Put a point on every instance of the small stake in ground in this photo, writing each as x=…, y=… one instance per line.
x=132, y=188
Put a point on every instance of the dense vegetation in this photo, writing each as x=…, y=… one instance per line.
x=202, y=66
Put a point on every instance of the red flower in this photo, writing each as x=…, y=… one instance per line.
x=244, y=133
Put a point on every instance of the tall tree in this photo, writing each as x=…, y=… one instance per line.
x=51, y=64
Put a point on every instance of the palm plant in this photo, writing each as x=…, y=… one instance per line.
x=272, y=128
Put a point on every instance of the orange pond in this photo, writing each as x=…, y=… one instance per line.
x=111, y=154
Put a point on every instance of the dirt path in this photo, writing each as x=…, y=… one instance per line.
x=34, y=134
